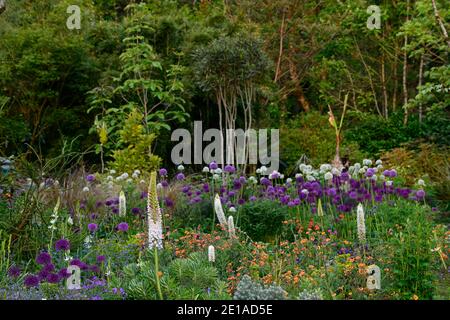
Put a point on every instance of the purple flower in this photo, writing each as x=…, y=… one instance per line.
x=370, y=172
x=92, y=227
x=31, y=281
x=162, y=172
x=90, y=178
x=115, y=210
x=122, y=227
x=265, y=181
x=62, y=244
x=180, y=176
x=135, y=211
x=252, y=198
x=95, y=269
x=49, y=267
x=43, y=258
x=420, y=194
x=168, y=202
x=14, y=271
x=229, y=168
x=53, y=278
x=164, y=183
x=213, y=165
x=63, y=274
x=101, y=259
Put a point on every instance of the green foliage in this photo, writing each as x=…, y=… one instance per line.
x=137, y=154
x=262, y=220
x=250, y=290
x=311, y=136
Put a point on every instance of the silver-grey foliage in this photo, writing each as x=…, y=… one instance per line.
x=248, y=289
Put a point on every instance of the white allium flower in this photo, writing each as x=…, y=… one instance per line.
x=258, y=171
x=357, y=166
x=134, y=176
x=351, y=169
x=112, y=171
x=137, y=172
x=367, y=162
x=263, y=170
x=129, y=180
x=231, y=229
x=389, y=183
x=216, y=176
x=335, y=171
x=142, y=181
x=122, y=204
x=56, y=183
x=159, y=186
x=205, y=170
x=325, y=167
x=211, y=254
x=289, y=180
x=310, y=178
x=124, y=176
x=420, y=182
x=302, y=167
x=382, y=177
x=328, y=176
x=42, y=185
x=232, y=209
x=374, y=177
x=305, y=191
x=218, y=171
x=361, y=224
x=362, y=171
x=85, y=189
x=119, y=178
x=270, y=176
x=109, y=178
x=110, y=185
x=298, y=175
x=281, y=176
x=180, y=167
x=253, y=180
x=380, y=166
x=219, y=211
x=379, y=162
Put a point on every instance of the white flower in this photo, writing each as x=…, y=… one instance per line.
x=263, y=170
x=154, y=218
x=302, y=167
x=232, y=209
x=125, y=176
x=389, y=183
x=70, y=220
x=219, y=211
x=218, y=171
x=378, y=162
x=367, y=162
x=258, y=171
x=205, y=170
x=122, y=204
x=305, y=191
x=85, y=189
x=253, y=180
x=298, y=175
x=362, y=171
x=289, y=180
x=119, y=178
x=129, y=180
x=159, y=186
x=328, y=176
x=137, y=172
x=110, y=185
x=211, y=254
x=310, y=178
x=357, y=166
x=382, y=177
x=180, y=167
x=142, y=181
x=134, y=176
x=216, y=176
x=281, y=176
x=112, y=171
x=420, y=182
x=361, y=225
x=231, y=229
x=374, y=177
x=379, y=167
x=109, y=178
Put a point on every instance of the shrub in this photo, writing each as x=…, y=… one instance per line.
x=250, y=290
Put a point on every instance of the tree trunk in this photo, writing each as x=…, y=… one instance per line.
x=405, y=70
x=298, y=90
x=441, y=24
x=420, y=84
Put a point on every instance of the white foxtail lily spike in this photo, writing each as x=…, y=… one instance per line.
x=361, y=224
x=219, y=211
x=231, y=229
x=211, y=254
x=154, y=215
x=122, y=204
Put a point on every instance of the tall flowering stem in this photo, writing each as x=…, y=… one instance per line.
x=154, y=215
x=219, y=211
x=122, y=204
x=361, y=225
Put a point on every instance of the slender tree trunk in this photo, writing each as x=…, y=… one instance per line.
x=441, y=23
x=280, y=51
x=383, y=84
x=405, y=71
x=394, y=95
x=298, y=90
x=2, y=6
x=420, y=84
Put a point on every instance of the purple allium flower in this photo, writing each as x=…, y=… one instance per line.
x=92, y=227
x=241, y=201
x=62, y=244
x=95, y=269
x=164, y=183
x=434, y=209
x=229, y=168
x=162, y=172
x=101, y=259
x=353, y=195
x=14, y=271
x=123, y=227
x=135, y=210
x=370, y=172
x=42, y=275
x=115, y=210
x=53, y=278
x=252, y=198
x=265, y=181
x=180, y=176
x=393, y=173
x=205, y=187
x=63, y=273
x=168, y=202
x=49, y=267
x=108, y=202
x=43, y=258
x=213, y=165
x=96, y=298
x=420, y=194
x=90, y=178
x=31, y=281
